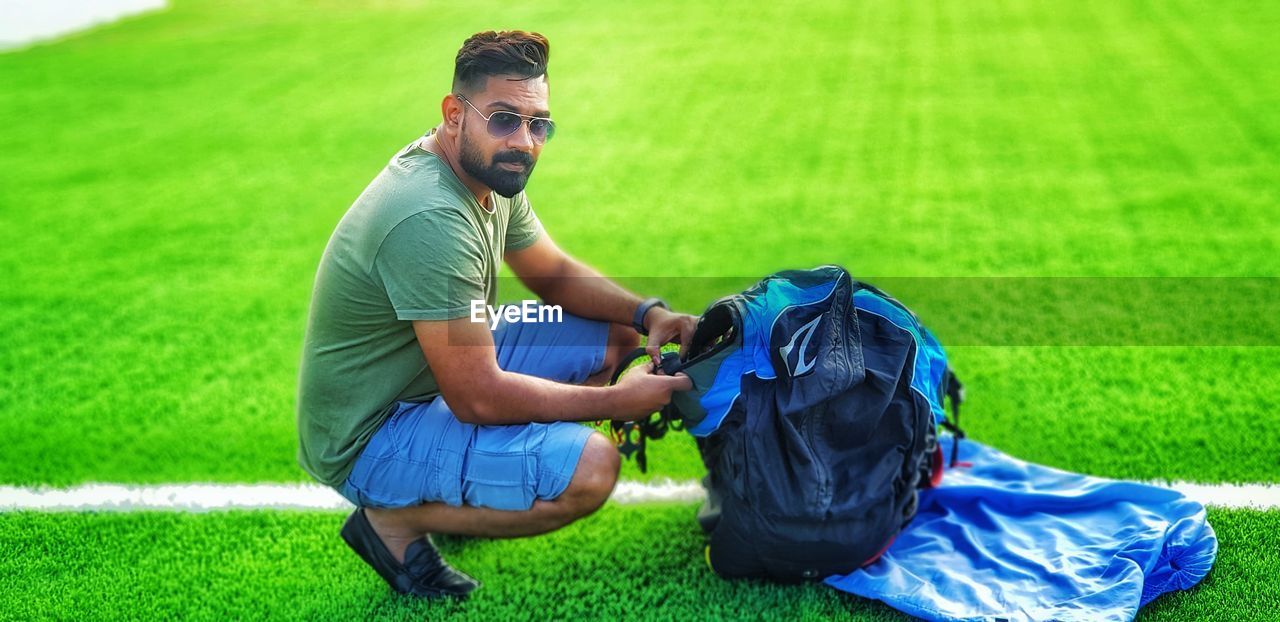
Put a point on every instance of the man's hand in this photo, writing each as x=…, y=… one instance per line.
x=644, y=392
x=665, y=327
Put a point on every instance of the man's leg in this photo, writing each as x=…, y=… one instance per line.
x=592, y=483
x=593, y=477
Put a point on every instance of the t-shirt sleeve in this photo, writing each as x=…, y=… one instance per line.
x=432, y=266
x=523, y=227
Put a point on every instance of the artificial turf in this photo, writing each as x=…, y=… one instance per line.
x=625, y=562
x=170, y=181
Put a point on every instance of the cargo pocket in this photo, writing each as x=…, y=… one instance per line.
x=501, y=481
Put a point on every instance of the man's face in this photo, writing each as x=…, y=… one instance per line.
x=502, y=164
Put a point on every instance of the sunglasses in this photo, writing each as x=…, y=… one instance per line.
x=503, y=123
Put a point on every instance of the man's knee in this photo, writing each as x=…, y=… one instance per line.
x=594, y=479
x=622, y=340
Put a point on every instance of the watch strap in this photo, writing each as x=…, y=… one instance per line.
x=637, y=321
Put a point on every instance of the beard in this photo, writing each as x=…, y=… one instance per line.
x=502, y=181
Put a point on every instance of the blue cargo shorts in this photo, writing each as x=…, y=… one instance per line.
x=422, y=453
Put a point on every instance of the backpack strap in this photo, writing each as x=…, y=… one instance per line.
x=954, y=391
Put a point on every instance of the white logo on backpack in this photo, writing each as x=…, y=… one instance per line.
x=801, y=367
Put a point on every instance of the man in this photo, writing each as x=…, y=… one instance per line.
x=428, y=421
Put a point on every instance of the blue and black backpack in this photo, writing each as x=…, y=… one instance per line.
x=815, y=407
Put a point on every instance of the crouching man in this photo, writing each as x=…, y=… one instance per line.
x=431, y=422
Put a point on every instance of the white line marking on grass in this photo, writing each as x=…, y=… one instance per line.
x=180, y=497
x=211, y=497
x=663, y=490
x=1252, y=496
x=23, y=22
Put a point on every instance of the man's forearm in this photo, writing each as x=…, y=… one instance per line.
x=513, y=398
x=582, y=291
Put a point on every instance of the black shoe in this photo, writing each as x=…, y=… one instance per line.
x=424, y=572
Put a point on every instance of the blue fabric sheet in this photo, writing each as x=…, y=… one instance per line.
x=1004, y=539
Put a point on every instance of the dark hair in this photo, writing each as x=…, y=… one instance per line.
x=506, y=53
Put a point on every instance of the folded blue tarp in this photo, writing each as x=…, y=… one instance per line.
x=1009, y=540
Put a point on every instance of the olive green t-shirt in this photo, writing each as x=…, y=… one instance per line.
x=416, y=245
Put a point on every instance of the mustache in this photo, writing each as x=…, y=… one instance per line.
x=514, y=157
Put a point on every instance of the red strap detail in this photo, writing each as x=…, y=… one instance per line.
x=935, y=475
x=881, y=551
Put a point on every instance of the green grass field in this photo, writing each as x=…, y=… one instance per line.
x=170, y=181
x=286, y=565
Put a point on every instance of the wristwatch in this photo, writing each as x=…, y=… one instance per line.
x=637, y=321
